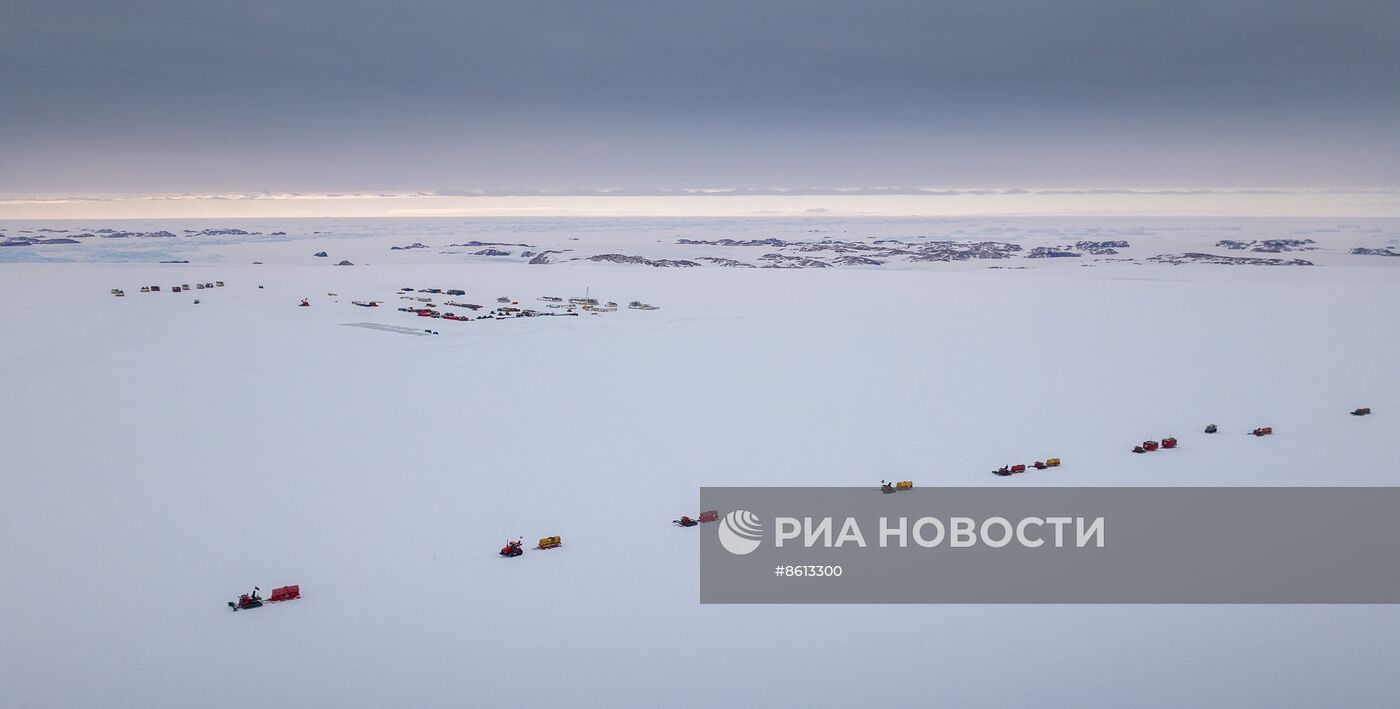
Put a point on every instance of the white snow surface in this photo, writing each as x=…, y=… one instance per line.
x=159, y=457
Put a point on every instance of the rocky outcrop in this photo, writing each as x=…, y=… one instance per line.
x=733, y=242
x=1100, y=248
x=962, y=250
x=1268, y=246
x=643, y=261
x=1177, y=259
x=414, y=245
x=726, y=262
x=473, y=244
x=222, y=232
x=776, y=260
x=31, y=241
x=853, y=260
x=1051, y=252
x=114, y=234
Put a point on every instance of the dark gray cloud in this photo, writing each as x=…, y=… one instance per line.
x=335, y=95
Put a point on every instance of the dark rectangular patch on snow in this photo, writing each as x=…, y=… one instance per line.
x=1051, y=545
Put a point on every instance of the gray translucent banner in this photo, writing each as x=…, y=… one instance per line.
x=1051, y=545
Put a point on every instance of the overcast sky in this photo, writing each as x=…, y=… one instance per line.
x=145, y=96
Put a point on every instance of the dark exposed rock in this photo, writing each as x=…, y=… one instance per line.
x=1051, y=252
x=490, y=252
x=477, y=244
x=221, y=232
x=643, y=261
x=962, y=251
x=114, y=234
x=1178, y=259
x=1387, y=251
x=726, y=262
x=414, y=245
x=732, y=242
x=32, y=241
x=776, y=260
x=851, y=260
x=1268, y=246
x=1101, y=248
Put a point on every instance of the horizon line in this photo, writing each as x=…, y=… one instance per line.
x=728, y=202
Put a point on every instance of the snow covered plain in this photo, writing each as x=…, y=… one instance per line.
x=160, y=457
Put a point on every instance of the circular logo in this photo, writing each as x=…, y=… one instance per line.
x=740, y=532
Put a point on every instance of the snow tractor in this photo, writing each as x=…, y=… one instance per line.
x=1211, y=428
x=886, y=488
x=1039, y=465
x=685, y=522
x=709, y=516
x=1168, y=442
x=550, y=542
x=1139, y=449
x=246, y=601
x=512, y=548
x=1362, y=412
x=304, y=303
x=1262, y=431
